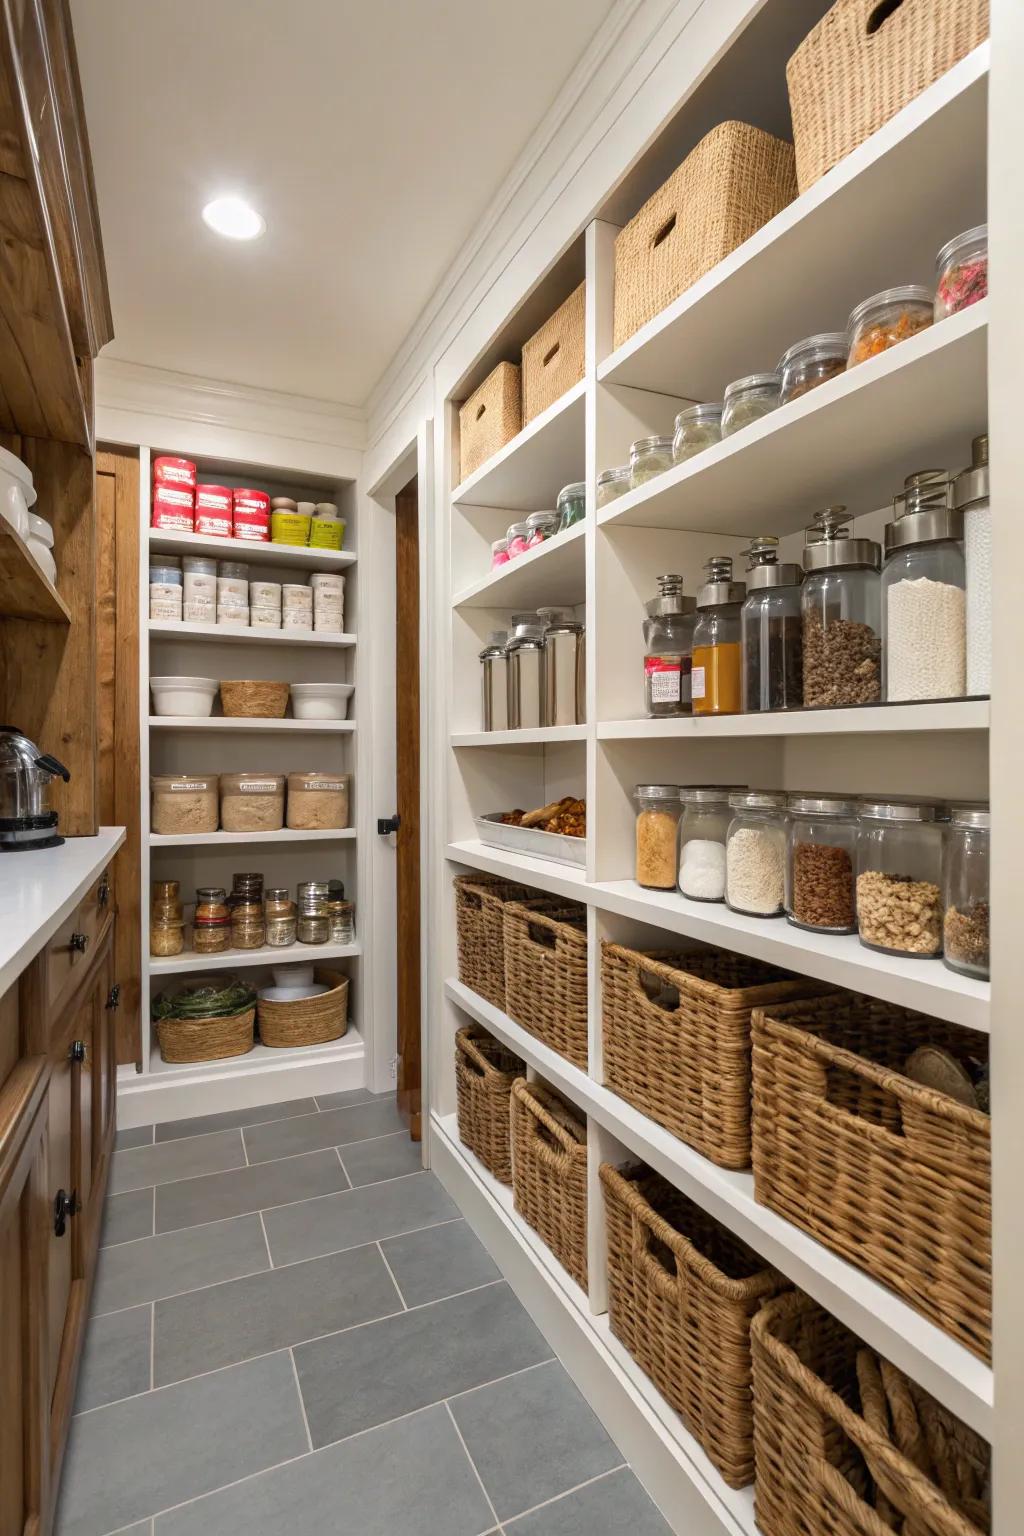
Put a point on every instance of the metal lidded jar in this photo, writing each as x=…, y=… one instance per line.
x=965, y=890
x=494, y=683
x=281, y=916
x=702, y=835
x=755, y=853
x=717, y=667
x=525, y=673
x=649, y=456
x=924, y=600
x=697, y=428
x=821, y=863
x=564, y=667
x=612, y=483
x=668, y=650
x=841, y=605
x=746, y=400
x=314, y=923
x=657, y=829
x=772, y=630
x=971, y=499
x=572, y=505
x=899, y=873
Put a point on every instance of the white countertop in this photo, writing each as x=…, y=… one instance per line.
x=38, y=890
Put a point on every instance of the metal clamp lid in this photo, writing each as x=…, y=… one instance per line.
x=823, y=805
x=763, y=568
x=657, y=792
x=924, y=512
x=758, y=800
x=719, y=587
x=904, y=810
x=971, y=484
x=670, y=601
x=828, y=545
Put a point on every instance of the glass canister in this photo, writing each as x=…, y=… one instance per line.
x=717, y=666
x=702, y=834
x=961, y=272
x=515, y=540
x=886, y=319
x=245, y=887
x=248, y=928
x=211, y=925
x=697, y=428
x=572, y=505
x=494, y=683
x=748, y=399
x=965, y=890
x=841, y=607
x=314, y=925
x=499, y=553
x=970, y=497
x=648, y=457
x=540, y=526
x=184, y=802
x=564, y=686
x=342, y=916
x=924, y=598
x=755, y=853
x=772, y=630
x=668, y=643
x=612, y=483
x=821, y=862
x=281, y=916
x=899, y=869
x=166, y=930
x=252, y=802
x=657, y=827
x=525, y=673
x=811, y=362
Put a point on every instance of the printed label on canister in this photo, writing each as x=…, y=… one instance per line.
x=664, y=678
x=172, y=508
x=699, y=685
x=257, y=787
x=168, y=470
x=187, y=784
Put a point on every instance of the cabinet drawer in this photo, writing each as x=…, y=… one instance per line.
x=68, y=954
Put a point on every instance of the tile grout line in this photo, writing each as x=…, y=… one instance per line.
x=288, y=1157
x=302, y=1401
x=387, y=1266
x=152, y=1345
x=245, y=1149
x=587, y=1483
x=266, y=1242
x=476, y=1469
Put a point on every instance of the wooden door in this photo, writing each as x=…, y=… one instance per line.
x=407, y=733
x=61, y=1188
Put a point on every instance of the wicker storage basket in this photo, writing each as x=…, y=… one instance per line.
x=267, y=701
x=863, y=62
x=732, y=182
x=819, y=1462
x=681, y=1293
x=676, y=1031
x=186, y=1040
x=480, y=902
x=484, y=1073
x=546, y=975
x=490, y=418
x=549, y=1173
x=892, y=1175
x=553, y=358
x=309, y=1020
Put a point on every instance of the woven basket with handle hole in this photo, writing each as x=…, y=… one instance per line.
x=546, y=975
x=549, y=1173
x=484, y=1073
x=490, y=418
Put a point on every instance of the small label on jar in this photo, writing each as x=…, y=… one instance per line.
x=188, y=784
x=698, y=683
x=665, y=678
x=327, y=784
x=257, y=787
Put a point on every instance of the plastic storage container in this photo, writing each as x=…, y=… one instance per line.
x=657, y=828
x=717, y=648
x=572, y=505
x=821, y=863
x=924, y=599
x=886, y=319
x=668, y=643
x=183, y=803
x=899, y=870
x=613, y=483
x=755, y=853
x=748, y=399
x=971, y=499
x=965, y=890
x=697, y=428
x=811, y=362
x=318, y=801
x=841, y=605
x=649, y=457
x=252, y=802
x=961, y=272
x=772, y=630
x=702, y=836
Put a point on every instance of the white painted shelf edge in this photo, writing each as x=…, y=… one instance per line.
x=876, y=1314
x=232, y=634
x=243, y=959
x=561, y=879
x=867, y=720
x=239, y=839
x=248, y=723
x=548, y=733
x=260, y=552
x=556, y=549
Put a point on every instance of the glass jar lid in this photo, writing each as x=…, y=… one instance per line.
x=525, y=624
x=650, y=445
x=706, y=794
x=967, y=240
x=495, y=646
x=541, y=520
x=906, y=293
x=606, y=477
x=903, y=810
x=751, y=381
x=828, y=545
x=971, y=484
x=758, y=800
x=314, y=888
x=763, y=568
x=278, y=893
x=515, y=531
x=822, y=805
x=719, y=586
x=210, y=894
x=572, y=492
x=499, y=546
x=711, y=410
x=824, y=344
x=924, y=512
x=657, y=792
x=977, y=816
x=559, y=621
x=670, y=601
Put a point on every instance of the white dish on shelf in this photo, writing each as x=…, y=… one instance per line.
x=291, y=994
x=184, y=695
x=300, y=975
x=555, y=846
x=321, y=701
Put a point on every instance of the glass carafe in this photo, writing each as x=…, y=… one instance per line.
x=668, y=650
x=717, y=663
x=772, y=629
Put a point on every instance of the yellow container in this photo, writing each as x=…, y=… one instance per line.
x=289, y=528
x=327, y=532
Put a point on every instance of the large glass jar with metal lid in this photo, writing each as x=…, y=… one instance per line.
x=613, y=483
x=717, y=668
x=965, y=890
x=702, y=834
x=525, y=672
x=572, y=505
x=747, y=400
x=771, y=629
x=755, y=853
x=540, y=526
x=494, y=683
x=970, y=497
x=649, y=456
x=924, y=631
x=668, y=650
x=314, y=923
x=281, y=916
x=657, y=827
x=564, y=685
x=821, y=862
x=811, y=362
x=211, y=925
x=697, y=428
x=899, y=870
x=841, y=603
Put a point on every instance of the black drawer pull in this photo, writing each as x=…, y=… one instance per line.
x=64, y=1207
x=78, y=943
x=77, y=1051
x=114, y=996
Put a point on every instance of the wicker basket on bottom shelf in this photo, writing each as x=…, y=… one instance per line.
x=549, y=1173
x=546, y=975
x=484, y=1073
x=308, y=1020
x=480, y=902
x=187, y=1040
x=681, y=1294
x=821, y=1466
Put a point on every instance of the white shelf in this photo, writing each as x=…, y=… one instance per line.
x=561, y=879
x=552, y=573
x=547, y=733
x=239, y=839
x=528, y=473
x=853, y=439
x=921, y=174
x=246, y=724
x=868, y=720
x=233, y=634
x=241, y=959
x=250, y=552
x=944, y=1367
x=262, y=1058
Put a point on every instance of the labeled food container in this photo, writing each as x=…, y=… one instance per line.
x=515, y=539
x=564, y=667
x=173, y=508
x=755, y=853
x=213, y=511
x=265, y=594
x=326, y=532
x=924, y=600
x=841, y=606
x=191, y=696
x=540, y=526
x=821, y=863
x=252, y=802
x=572, y=505
x=165, y=601
x=168, y=470
x=296, y=597
x=771, y=630
x=318, y=801
x=265, y=618
x=971, y=499
x=811, y=362
x=965, y=890
x=327, y=585
x=232, y=592
x=746, y=400
x=250, y=515
x=717, y=641
x=668, y=650
x=297, y=618
x=886, y=319
x=494, y=683
x=697, y=428
x=199, y=579
x=961, y=272
x=289, y=527
x=702, y=837
x=657, y=834
x=183, y=803
x=899, y=870
x=613, y=483
x=648, y=457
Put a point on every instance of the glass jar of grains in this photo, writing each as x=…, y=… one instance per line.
x=252, y=802
x=166, y=921
x=343, y=922
x=211, y=926
x=184, y=802
x=245, y=887
x=965, y=897
x=281, y=915
x=314, y=926
x=716, y=680
x=318, y=801
x=248, y=929
x=899, y=869
x=697, y=428
x=755, y=854
x=657, y=827
x=747, y=400
x=820, y=863
x=649, y=456
x=612, y=483
x=702, y=835
x=811, y=362
x=886, y=319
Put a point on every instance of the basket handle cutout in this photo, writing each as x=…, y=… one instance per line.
x=866, y=1105
x=542, y=936
x=879, y=15
x=664, y=232
x=480, y=410
x=659, y=991
x=473, y=899
x=654, y=1257
x=549, y=357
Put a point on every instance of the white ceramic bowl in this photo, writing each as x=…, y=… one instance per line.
x=321, y=701
x=292, y=975
x=184, y=695
x=291, y=994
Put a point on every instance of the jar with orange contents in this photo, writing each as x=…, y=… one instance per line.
x=717, y=649
x=886, y=319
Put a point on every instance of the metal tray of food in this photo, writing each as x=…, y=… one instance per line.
x=555, y=846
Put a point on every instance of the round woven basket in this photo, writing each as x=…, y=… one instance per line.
x=309, y=1020
x=266, y=701
x=186, y=1040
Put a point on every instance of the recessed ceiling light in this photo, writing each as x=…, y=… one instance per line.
x=234, y=218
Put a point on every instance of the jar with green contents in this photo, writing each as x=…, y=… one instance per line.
x=649, y=457
x=571, y=505
x=697, y=428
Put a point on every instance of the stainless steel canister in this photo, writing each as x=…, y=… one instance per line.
x=494, y=683
x=525, y=653
x=564, y=667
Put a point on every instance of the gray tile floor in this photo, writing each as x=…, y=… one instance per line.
x=295, y=1333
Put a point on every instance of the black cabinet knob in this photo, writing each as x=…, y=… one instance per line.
x=388, y=824
x=103, y=893
x=78, y=943
x=64, y=1207
x=77, y=1051
x=114, y=996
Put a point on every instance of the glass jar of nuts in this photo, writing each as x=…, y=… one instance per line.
x=820, y=863
x=899, y=869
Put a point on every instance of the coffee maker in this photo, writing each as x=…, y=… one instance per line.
x=26, y=822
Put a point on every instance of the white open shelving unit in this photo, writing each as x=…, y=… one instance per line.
x=874, y=221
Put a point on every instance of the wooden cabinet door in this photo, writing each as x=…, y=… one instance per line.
x=61, y=1190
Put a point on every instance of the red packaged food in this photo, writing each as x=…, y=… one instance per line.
x=168, y=470
x=213, y=511
x=251, y=515
x=172, y=508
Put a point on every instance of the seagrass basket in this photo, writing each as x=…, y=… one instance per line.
x=480, y=902
x=894, y=1176
x=307, y=1020
x=736, y=179
x=863, y=62
x=484, y=1073
x=822, y=1466
x=490, y=418
x=549, y=1173
x=553, y=358
x=261, y=700
x=676, y=1033
x=187, y=1040
x=681, y=1293
x=546, y=975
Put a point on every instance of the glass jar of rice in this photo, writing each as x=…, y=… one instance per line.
x=252, y=802
x=318, y=801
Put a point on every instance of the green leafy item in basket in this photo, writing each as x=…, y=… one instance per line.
x=206, y=1001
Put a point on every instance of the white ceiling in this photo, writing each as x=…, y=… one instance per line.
x=371, y=135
